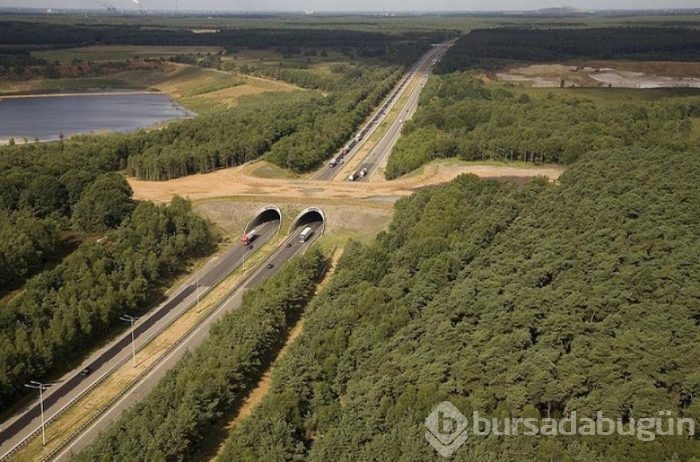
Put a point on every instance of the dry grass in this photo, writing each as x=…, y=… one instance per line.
x=238, y=182
x=197, y=88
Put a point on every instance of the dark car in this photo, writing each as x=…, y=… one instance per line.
x=270, y=266
x=289, y=244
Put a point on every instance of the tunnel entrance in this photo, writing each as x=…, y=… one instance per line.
x=267, y=214
x=308, y=216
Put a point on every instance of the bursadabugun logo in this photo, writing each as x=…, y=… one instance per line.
x=448, y=428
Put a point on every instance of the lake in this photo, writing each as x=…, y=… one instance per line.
x=46, y=117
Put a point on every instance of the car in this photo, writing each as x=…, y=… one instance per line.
x=85, y=372
x=270, y=265
x=289, y=244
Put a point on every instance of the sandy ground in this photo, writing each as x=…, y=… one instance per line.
x=620, y=74
x=238, y=182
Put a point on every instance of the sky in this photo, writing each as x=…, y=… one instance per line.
x=355, y=5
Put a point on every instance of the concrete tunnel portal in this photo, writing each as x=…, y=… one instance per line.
x=267, y=214
x=308, y=216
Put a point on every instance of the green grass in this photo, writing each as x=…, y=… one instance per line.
x=118, y=52
x=272, y=171
x=340, y=238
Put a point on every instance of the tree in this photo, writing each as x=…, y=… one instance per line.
x=103, y=204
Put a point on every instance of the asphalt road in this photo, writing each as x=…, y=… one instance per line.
x=61, y=392
x=71, y=385
x=383, y=148
x=327, y=173
x=420, y=70
x=290, y=247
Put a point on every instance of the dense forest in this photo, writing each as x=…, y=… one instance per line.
x=492, y=48
x=45, y=189
x=26, y=244
x=461, y=117
x=354, y=43
x=191, y=399
x=533, y=302
x=62, y=311
x=66, y=305
x=298, y=132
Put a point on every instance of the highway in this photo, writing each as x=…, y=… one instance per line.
x=102, y=362
x=380, y=153
x=416, y=78
x=290, y=247
x=326, y=173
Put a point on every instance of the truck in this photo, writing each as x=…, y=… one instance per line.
x=249, y=237
x=305, y=234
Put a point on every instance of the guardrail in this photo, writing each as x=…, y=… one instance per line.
x=134, y=381
x=22, y=444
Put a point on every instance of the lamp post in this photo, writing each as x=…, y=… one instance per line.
x=130, y=319
x=41, y=387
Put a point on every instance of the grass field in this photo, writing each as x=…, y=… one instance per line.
x=118, y=52
x=198, y=89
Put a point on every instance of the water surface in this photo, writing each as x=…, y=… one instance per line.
x=46, y=117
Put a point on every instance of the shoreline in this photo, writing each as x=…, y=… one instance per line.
x=84, y=93
x=19, y=140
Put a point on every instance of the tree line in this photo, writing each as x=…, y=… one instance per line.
x=71, y=300
x=298, y=133
x=64, y=311
x=533, y=302
x=393, y=49
x=460, y=117
x=493, y=48
x=190, y=400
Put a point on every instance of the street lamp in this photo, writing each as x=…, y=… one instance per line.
x=130, y=319
x=41, y=387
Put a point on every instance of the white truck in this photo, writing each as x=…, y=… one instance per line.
x=305, y=234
